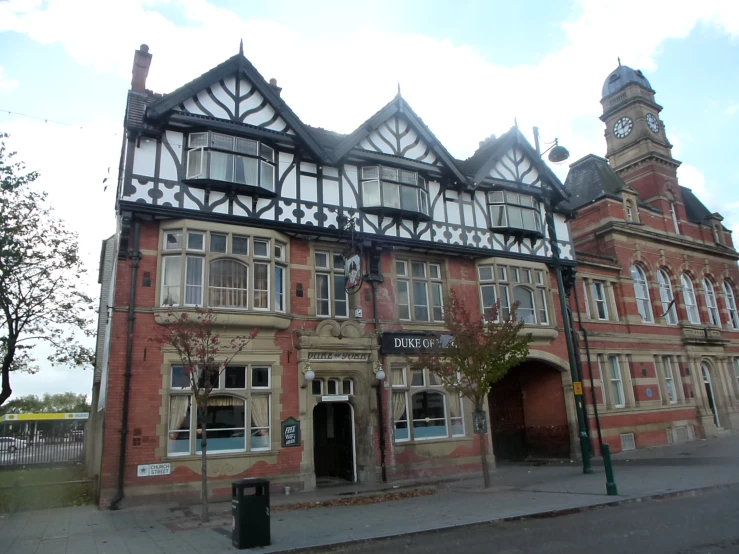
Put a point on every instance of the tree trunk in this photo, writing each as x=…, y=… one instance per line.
x=204, y=471
x=7, y=362
x=484, y=456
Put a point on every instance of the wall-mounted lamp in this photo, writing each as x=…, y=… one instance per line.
x=308, y=374
x=379, y=372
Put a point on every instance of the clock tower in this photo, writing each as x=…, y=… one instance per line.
x=637, y=146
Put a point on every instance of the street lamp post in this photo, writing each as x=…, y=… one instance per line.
x=557, y=264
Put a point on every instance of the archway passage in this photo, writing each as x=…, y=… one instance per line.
x=333, y=447
x=528, y=417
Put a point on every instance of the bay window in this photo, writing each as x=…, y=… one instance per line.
x=514, y=211
x=222, y=270
x=392, y=189
x=225, y=158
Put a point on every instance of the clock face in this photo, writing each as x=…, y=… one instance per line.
x=653, y=122
x=623, y=127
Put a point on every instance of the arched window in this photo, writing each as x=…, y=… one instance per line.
x=691, y=306
x=674, y=217
x=641, y=293
x=525, y=298
x=228, y=284
x=710, y=295
x=665, y=295
x=429, y=415
x=731, y=306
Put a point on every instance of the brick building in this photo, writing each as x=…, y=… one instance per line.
x=227, y=200
x=658, y=283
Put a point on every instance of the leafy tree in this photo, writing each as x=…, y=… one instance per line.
x=197, y=342
x=64, y=402
x=480, y=353
x=41, y=299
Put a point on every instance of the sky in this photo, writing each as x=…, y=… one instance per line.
x=468, y=68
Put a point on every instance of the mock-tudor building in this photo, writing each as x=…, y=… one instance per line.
x=657, y=287
x=227, y=200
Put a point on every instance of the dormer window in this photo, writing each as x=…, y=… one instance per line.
x=514, y=211
x=388, y=189
x=227, y=159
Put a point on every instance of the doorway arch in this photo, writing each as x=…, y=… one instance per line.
x=528, y=414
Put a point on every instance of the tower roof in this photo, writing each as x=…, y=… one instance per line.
x=622, y=76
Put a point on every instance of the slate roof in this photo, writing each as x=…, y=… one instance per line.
x=327, y=139
x=592, y=177
x=622, y=76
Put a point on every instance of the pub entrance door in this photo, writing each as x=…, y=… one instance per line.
x=333, y=443
x=507, y=422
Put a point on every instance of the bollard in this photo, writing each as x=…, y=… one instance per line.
x=611, y=489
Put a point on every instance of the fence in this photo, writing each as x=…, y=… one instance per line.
x=33, y=443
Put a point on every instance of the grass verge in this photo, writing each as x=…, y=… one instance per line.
x=34, y=489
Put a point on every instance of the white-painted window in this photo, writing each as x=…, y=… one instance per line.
x=585, y=299
x=511, y=210
x=420, y=290
x=691, y=306
x=600, y=300
x=710, y=296
x=219, y=157
x=669, y=380
x=394, y=189
x=617, y=385
x=331, y=295
x=731, y=305
x=665, y=295
x=641, y=294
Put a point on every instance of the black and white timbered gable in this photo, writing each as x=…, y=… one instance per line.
x=226, y=146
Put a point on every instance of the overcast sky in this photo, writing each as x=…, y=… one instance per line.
x=467, y=68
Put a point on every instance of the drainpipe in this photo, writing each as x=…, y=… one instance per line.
x=135, y=256
x=374, y=279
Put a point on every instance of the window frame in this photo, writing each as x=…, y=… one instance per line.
x=245, y=395
x=600, y=299
x=208, y=258
x=669, y=377
x=266, y=155
x=502, y=280
x=666, y=297
x=332, y=273
x=691, y=308
x=617, y=380
x=382, y=179
x=504, y=201
x=709, y=295
x=408, y=281
x=645, y=303
x=730, y=301
x=673, y=213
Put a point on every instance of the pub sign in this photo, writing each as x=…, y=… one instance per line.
x=411, y=343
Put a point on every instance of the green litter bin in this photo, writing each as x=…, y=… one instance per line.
x=250, y=513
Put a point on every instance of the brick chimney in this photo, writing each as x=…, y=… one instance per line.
x=273, y=84
x=141, y=63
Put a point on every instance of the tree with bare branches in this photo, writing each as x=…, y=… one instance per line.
x=480, y=352
x=41, y=296
x=197, y=342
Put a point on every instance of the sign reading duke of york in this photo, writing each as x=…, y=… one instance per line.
x=409, y=343
x=338, y=356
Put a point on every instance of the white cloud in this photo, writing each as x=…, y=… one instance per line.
x=731, y=110
x=6, y=83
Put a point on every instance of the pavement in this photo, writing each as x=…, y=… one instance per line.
x=303, y=521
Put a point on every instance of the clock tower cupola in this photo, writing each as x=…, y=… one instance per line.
x=634, y=132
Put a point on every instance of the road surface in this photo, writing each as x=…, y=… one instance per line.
x=704, y=524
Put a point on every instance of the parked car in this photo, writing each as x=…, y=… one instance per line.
x=10, y=444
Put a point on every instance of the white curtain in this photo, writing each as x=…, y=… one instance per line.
x=260, y=411
x=453, y=404
x=399, y=408
x=179, y=406
x=396, y=375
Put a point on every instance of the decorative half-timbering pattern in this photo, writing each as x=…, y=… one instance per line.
x=312, y=195
x=516, y=166
x=235, y=100
x=397, y=138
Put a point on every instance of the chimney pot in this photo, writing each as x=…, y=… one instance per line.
x=140, y=71
x=273, y=82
